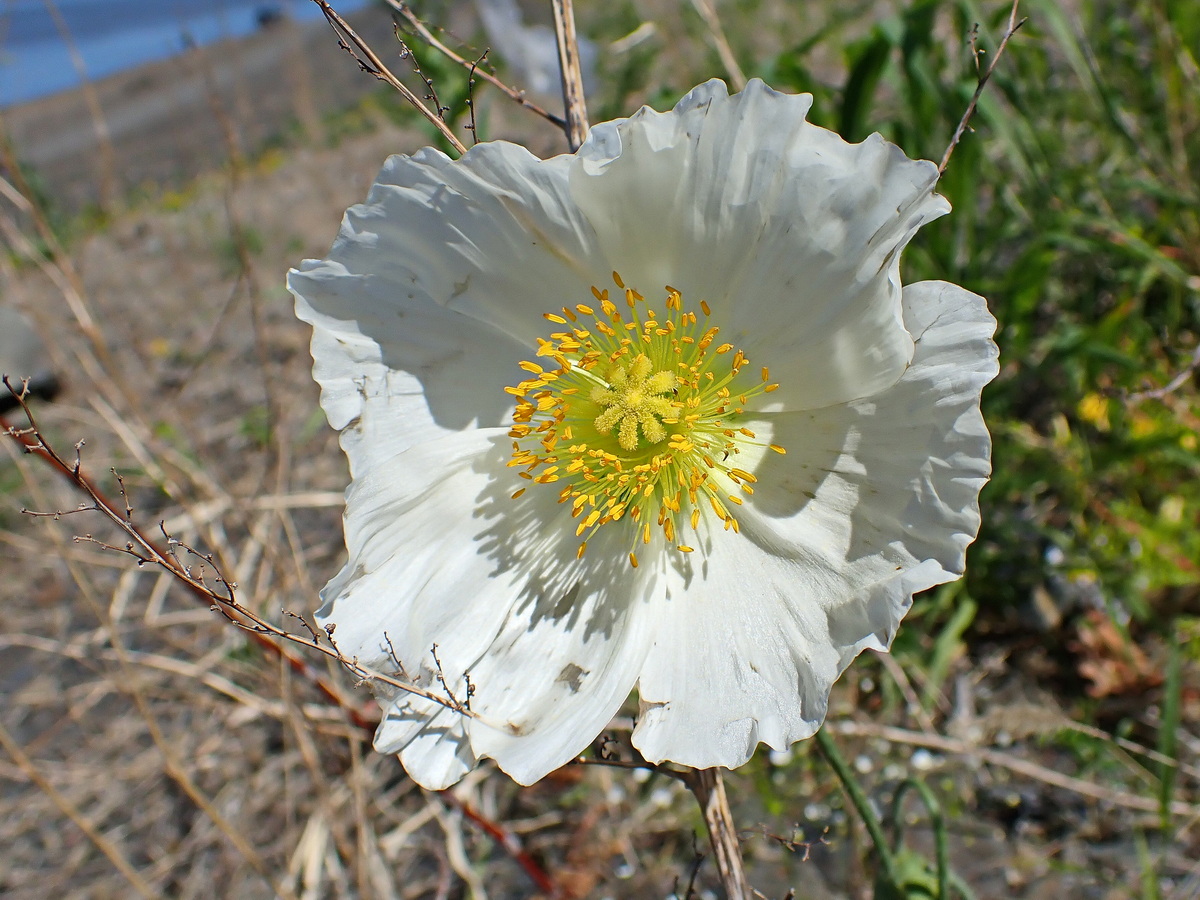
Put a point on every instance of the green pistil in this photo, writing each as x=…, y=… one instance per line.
x=632, y=400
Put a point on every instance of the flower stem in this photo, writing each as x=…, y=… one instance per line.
x=861, y=802
x=709, y=790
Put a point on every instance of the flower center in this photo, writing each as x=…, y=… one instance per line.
x=638, y=418
x=633, y=400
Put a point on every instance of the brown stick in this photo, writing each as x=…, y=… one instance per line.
x=574, y=104
x=472, y=66
x=32, y=442
x=708, y=12
x=709, y=790
x=71, y=811
x=373, y=65
x=1014, y=763
x=1013, y=25
x=108, y=156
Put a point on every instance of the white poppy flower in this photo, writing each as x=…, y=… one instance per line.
x=714, y=486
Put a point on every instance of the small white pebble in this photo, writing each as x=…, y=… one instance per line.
x=922, y=760
x=660, y=797
x=816, y=812
x=863, y=764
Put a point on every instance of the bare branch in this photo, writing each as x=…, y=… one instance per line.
x=709, y=789
x=708, y=12
x=1171, y=386
x=222, y=598
x=471, y=96
x=406, y=53
x=428, y=37
x=1013, y=25
x=373, y=65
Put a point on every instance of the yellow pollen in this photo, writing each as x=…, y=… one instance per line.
x=638, y=420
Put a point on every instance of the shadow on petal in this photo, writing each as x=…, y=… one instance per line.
x=533, y=537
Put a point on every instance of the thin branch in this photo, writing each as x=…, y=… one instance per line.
x=108, y=156
x=1013, y=764
x=406, y=53
x=222, y=598
x=373, y=65
x=506, y=839
x=1013, y=25
x=141, y=547
x=574, y=104
x=708, y=12
x=473, y=127
x=428, y=37
x=1171, y=386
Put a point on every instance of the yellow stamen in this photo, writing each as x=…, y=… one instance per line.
x=637, y=419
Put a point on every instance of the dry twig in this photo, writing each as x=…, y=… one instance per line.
x=708, y=12
x=1171, y=386
x=1013, y=764
x=203, y=577
x=424, y=32
x=965, y=121
x=574, y=104
x=709, y=789
x=370, y=63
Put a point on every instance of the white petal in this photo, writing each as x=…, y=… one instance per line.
x=790, y=233
x=562, y=666
x=414, y=576
x=874, y=501
x=430, y=740
x=435, y=290
x=493, y=235
x=747, y=658
x=895, y=477
x=413, y=528
x=570, y=647
x=394, y=368
x=441, y=554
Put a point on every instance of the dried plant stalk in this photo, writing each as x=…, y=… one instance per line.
x=574, y=104
x=424, y=33
x=709, y=788
x=372, y=64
